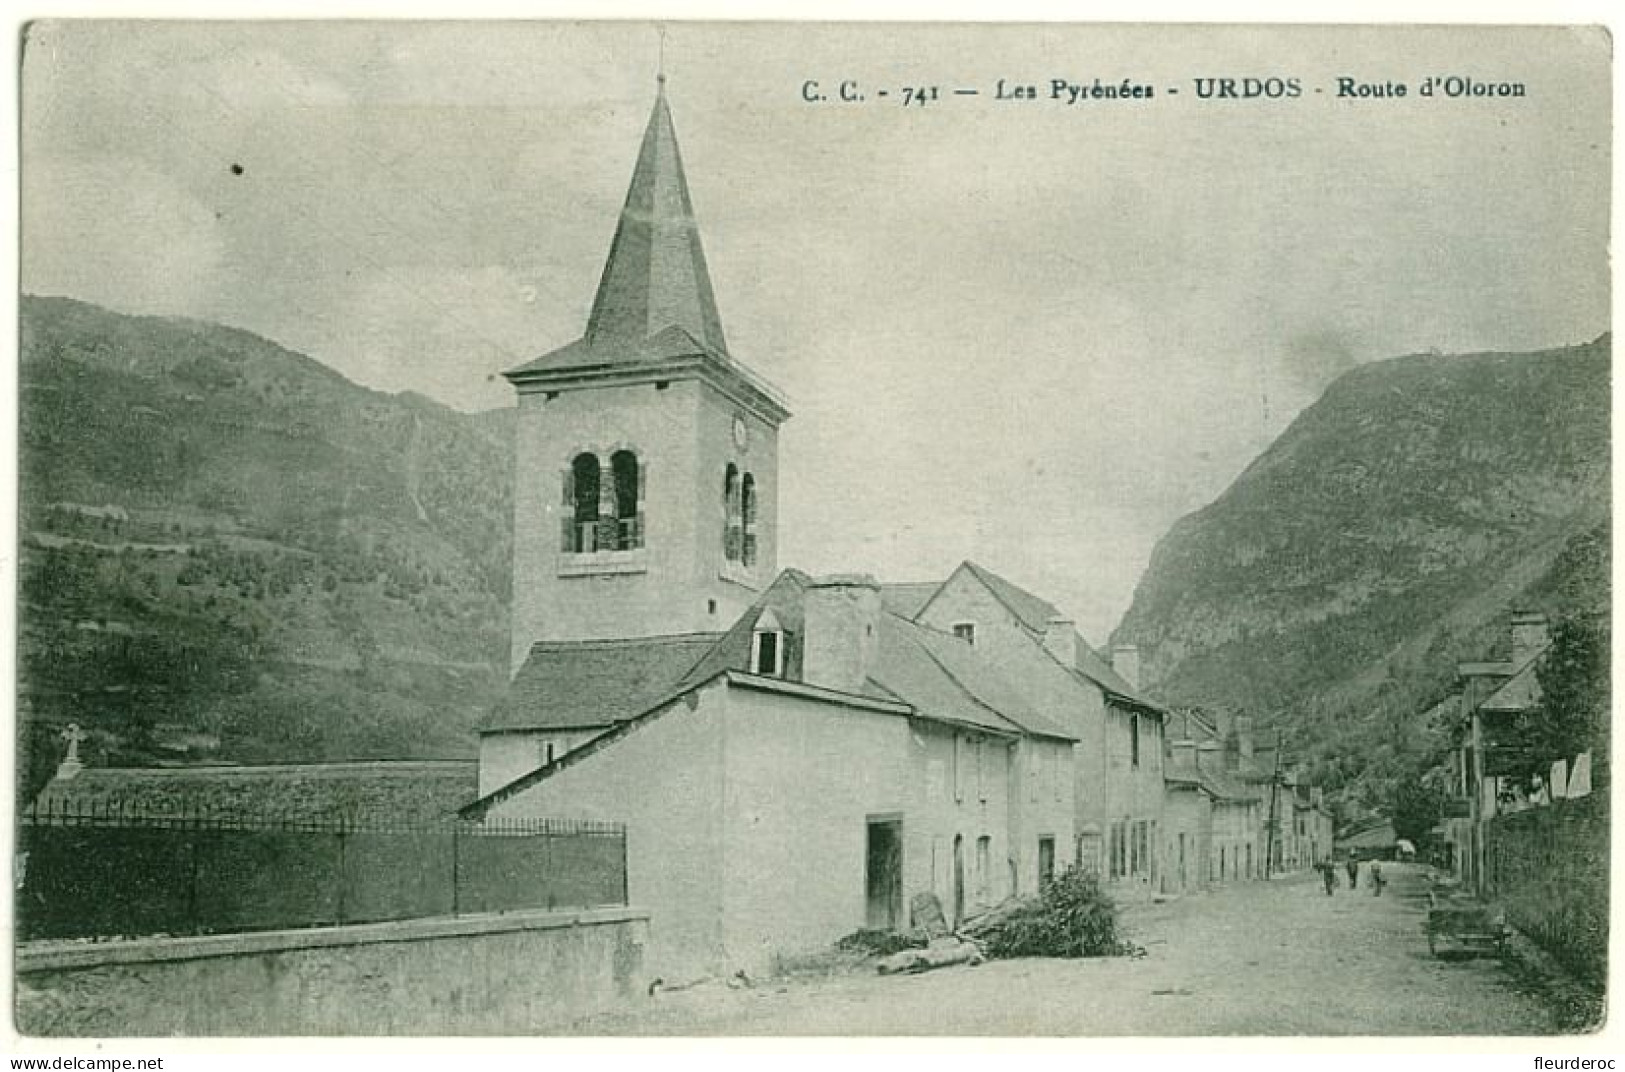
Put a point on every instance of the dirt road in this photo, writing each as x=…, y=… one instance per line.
x=1279, y=958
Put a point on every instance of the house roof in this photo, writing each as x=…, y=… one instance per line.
x=1226, y=787
x=1520, y=692
x=1032, y=611
x=1376, y=836
x=732, y=649
x=946, y=678
x=1215, y=784
x=612, y=685
x=1035, y=613
x=1100, y=672
x=908, y=598
x=393, y=791
x=594, y=683
x=1186, y=722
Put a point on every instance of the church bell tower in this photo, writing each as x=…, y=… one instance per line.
x=646, y=456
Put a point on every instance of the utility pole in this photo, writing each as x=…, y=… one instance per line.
x=1269, y=831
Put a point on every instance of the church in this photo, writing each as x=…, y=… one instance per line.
x=795, y=757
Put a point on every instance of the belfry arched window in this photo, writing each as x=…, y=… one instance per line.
x=603, y=503
x=581, y=495
x=734, y=527
x=628, y=480
x=747, y=498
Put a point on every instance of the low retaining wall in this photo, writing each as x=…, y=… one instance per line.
x=514, y=974
x=1548, y=867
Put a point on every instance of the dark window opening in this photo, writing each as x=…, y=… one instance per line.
x=747, y=497
x=1046, y=860
x=883, y=874
x=581, y=499
x=628, y=534
x=966, y=631
x=733, y=532
x=1134, y=740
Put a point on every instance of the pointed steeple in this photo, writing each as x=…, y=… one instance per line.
x=655, y=278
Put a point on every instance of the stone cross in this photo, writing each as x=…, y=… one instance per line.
x=71, y=763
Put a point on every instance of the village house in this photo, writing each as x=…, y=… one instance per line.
x=1118, y=779
x=792, y=760
x=1488, y=695
x=1273, y=813
x=1213, y=823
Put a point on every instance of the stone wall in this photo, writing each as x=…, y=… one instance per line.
x=1548, y=867
x=514, y=974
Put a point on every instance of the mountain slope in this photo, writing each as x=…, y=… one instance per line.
x=229, y=551
x=1385, y=534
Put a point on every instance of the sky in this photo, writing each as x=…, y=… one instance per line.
x=1028, y=333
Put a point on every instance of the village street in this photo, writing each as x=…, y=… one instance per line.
x=1250, y=959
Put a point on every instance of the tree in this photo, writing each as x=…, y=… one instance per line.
x=1418, y=803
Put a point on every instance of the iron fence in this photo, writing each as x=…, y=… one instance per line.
x=105, y=869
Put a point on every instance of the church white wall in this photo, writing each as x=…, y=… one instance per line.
x=507, y=756
x=664, y=780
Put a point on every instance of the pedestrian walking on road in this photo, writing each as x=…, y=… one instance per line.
x=1377, y=881
x=1354, y=871
x=1328, y=874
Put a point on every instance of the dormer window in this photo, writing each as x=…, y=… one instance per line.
x=966, y=631
x=767, y=646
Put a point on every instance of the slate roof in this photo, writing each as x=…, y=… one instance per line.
x=908, y=598
x=1520, y=692
x=944, y=677
x=1378, y=836
x=918, y=672
x=393, y=791
x=654, y=299
x=603, y=683
x=1186, y=723
x=1099, y=671
x=588, y=683
x=1216, y=784
x=1032, y=611
x=1035, y=613
x=1223, y=786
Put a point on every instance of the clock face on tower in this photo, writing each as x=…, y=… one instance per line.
x=740, y=432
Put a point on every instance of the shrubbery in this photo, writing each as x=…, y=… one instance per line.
x=1071, y=917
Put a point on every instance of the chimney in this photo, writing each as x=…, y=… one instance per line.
x=1244, y=742
x=1529, y=635
x=1183, y=752
x=1210, y=757
x=840, y=625
x=1126, y=661
x=1061, y=641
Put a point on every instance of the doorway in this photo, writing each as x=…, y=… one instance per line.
x=884, y=874
x=959, y=879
